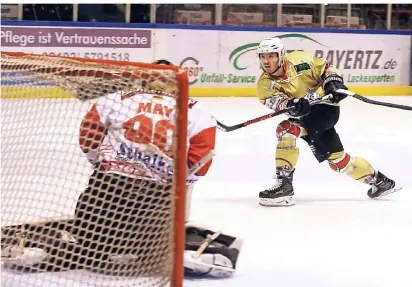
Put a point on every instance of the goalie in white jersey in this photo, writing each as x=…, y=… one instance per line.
x=128, y=139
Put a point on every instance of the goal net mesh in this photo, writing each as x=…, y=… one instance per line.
x=96, y=230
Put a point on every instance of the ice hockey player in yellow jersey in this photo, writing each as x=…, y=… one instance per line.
x=293, y=80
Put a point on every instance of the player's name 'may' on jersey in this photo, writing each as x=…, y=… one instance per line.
x=304, y=75
x=136, y=122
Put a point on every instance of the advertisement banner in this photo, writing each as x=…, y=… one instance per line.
x=193, y=17
x=221, y=59
x=362, y=59
x=244, y=18
x=9, y=12
x=296, y=18
x=199, y=56
x=339, y=20
x=95, y=43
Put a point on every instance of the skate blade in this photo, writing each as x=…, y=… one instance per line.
x=277, y=202
x=389, y=191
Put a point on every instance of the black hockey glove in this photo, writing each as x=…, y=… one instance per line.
x=331, y=84
x=301, y=107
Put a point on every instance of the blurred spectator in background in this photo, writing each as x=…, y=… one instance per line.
x=370, y=16
x=101, y=12
x=140, y=13
x=48, y=12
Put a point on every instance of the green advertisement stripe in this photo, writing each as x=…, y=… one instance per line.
x=299, y=36
x=247, y=46
x=235, y=60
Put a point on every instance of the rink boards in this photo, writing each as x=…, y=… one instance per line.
x=221, y=61
x=58, y=93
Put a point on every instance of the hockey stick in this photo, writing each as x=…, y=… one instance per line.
x=373, y=102
x=209, y=239
x=225, y=128
x=201, y=163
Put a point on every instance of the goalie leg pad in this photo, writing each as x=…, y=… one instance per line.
x=39, y=249
x=17, y=255
x=210, y=253
x=207, y=264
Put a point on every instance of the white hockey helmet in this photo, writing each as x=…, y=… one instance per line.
x=272, y=45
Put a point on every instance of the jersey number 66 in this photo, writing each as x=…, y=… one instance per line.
x=141, y=129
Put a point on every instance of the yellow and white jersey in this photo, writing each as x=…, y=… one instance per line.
x=304, y=75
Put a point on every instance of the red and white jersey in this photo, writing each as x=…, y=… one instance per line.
x=120, y=131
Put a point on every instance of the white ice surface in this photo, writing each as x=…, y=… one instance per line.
x=335, y=236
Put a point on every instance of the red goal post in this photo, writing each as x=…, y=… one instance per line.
x=87, y=80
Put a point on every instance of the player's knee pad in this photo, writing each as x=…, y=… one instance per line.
x=340, y=161
x=288, y=129
x=210, y=253
x=356, y=167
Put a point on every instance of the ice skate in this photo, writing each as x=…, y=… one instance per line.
x=281, y=194
x=381, y=185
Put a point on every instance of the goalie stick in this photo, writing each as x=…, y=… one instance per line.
x=226, y=128
x=201, y=163
x=209, y=239
x=373, y=102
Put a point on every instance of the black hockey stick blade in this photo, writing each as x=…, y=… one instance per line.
x=373, y=102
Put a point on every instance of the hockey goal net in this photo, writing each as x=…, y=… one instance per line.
x=136, y=241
